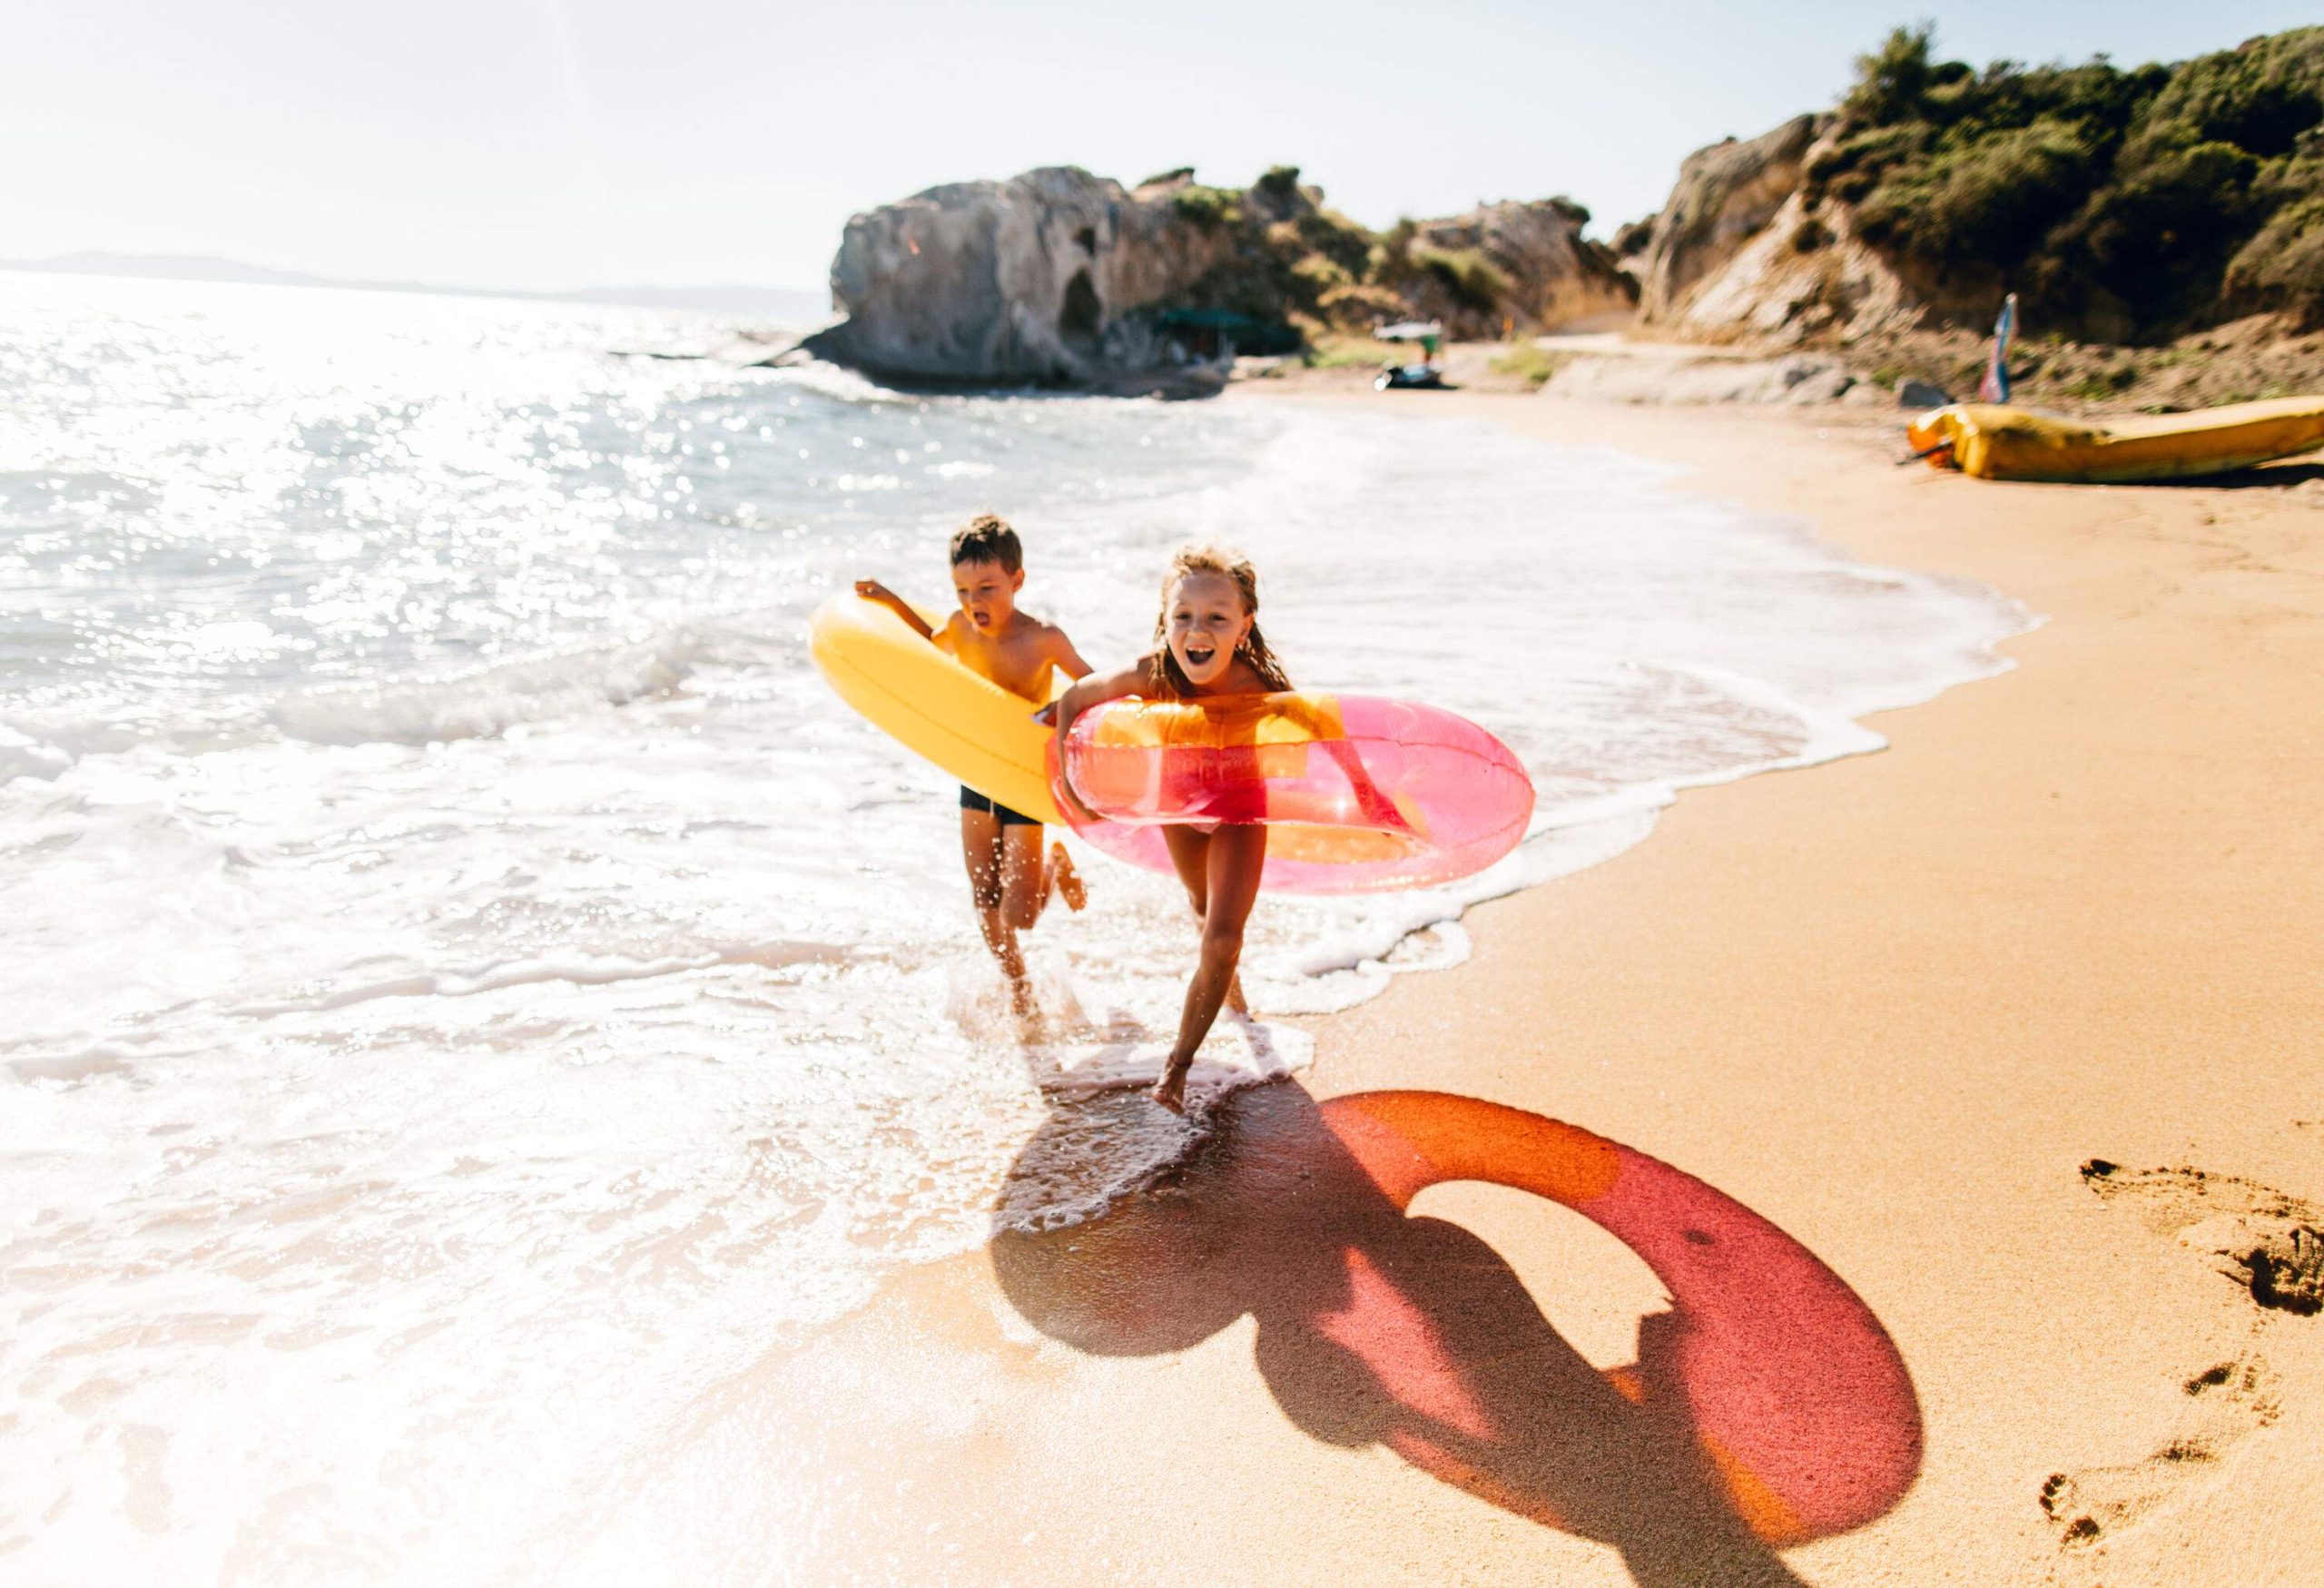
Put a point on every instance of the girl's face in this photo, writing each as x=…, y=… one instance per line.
x=1204, y=623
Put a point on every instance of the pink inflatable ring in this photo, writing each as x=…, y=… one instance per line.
x=1361, y=796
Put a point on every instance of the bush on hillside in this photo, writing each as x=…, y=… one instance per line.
x=1209, y=208
x=1359, y=304
x=2283, y=264
x=2124, y=198
x=1290, y=258
x=1279, y=187
x=1475, y=281
x=1993, y=199
x=2264, y=97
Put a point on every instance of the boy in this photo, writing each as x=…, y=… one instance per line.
x=990, y=636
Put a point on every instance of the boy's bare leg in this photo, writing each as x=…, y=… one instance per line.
x=984, y=849
x=1024, y=884
x=1065, y=880
x=1027, y=884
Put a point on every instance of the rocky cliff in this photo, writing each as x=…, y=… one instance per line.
x=1746, y=249
x=1032, y=280
x=2132, y=204
x=1725, y=196
x=1058, y=277
x=1523, y=265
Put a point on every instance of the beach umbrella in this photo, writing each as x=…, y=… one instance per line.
x=1994, y=386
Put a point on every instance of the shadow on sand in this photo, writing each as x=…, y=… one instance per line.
x=1767, y=1407
x=2262, y=477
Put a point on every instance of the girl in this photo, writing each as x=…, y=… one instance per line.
x=1206, y=642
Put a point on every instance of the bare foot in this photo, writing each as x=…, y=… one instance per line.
x=1032, y=1027
x=1170, y=1092
x=1065, y=880
x=1020, y=998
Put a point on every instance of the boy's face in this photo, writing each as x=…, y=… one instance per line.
x=987, y=593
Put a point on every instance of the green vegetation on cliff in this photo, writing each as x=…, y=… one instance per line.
x=1290, y=258
x=1293, y=259
x=2135, y=203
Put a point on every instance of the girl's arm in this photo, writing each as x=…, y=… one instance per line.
x=874, y=590
x=1095, y=689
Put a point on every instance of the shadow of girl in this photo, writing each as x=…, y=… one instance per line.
x=1767, y=1408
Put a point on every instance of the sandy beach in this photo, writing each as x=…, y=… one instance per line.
x=1895, y=1006
x=558, y=1032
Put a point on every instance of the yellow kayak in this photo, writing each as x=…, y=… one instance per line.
x=1994, y=442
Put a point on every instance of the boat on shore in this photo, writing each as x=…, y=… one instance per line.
x=1994, y=441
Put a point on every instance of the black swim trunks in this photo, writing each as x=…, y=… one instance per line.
x=973, y=801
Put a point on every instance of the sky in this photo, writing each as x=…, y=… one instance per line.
x=555, y=145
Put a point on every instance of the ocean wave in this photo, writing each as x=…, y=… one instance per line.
x=576, y=972
x=488, y=702
x=22, y=756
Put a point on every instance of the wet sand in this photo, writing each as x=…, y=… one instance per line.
x=1885, y=1011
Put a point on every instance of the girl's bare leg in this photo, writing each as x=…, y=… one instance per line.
x=1190, y=856
x=1230, y=860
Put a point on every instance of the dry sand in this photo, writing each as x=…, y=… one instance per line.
x=1892, y=1004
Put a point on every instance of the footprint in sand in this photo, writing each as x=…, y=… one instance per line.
x=2271, y=1245
x=2227, y=1401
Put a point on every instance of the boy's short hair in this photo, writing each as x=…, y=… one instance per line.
x=988, y=538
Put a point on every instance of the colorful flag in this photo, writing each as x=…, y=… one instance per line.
x=1994, y=386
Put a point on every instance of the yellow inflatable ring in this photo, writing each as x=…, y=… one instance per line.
x=931, y=704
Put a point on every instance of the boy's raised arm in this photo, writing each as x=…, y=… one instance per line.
x=1066, y=659
x=874, y=590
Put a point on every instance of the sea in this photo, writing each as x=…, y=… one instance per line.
x=469, y=990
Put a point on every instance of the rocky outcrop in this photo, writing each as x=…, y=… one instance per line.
x=1524, y=262
x=1805, y=273
x=1743, y=252
x=1799, y=380
x=1034, y=280
x=2137, y=205
x=1057, y=277
x=1725, y=196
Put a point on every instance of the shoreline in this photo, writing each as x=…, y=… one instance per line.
x=2205, y=604
x=1893, y=1003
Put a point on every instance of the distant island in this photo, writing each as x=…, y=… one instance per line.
x=792, y=306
